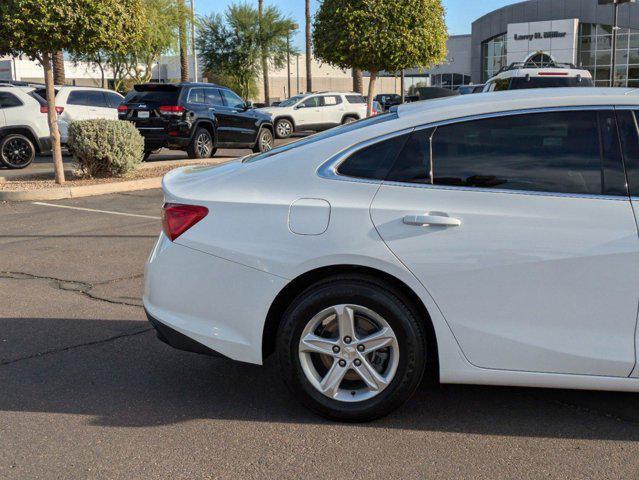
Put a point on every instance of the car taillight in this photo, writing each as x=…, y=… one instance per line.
x=45, y=109
x=122, y=109
x=178, y=218
x=171, y=109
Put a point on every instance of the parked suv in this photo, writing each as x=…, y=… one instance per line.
x=539, y=70
x=83, y=103
x=316, y=111
x=24, y=131
x=198, y=118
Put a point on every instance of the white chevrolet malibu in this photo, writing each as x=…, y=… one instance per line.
x=486, y=239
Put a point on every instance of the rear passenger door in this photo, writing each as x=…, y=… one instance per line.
x=332, y=110
x=97, y=105
x=521, y=229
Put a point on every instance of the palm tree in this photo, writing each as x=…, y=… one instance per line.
x=264, y=52
x=58, y=68
x=358, y=81
x=184, y=59
x=309, y=78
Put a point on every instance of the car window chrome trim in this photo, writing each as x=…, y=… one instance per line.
x=329, y=169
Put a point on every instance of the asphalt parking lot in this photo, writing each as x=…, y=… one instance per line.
x=87, y=391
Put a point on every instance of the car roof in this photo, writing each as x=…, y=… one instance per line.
x=512, y=100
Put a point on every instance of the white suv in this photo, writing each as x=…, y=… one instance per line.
x=24, y=131
x=83, y=103
x=539, y=70
x=316, y=111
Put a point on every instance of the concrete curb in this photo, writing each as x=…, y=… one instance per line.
x=80, y=191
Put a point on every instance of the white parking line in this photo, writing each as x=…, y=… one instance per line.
x=109, y=212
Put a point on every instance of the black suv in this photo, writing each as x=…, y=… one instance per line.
x=196, y=117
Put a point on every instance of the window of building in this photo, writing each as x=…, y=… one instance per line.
x=452, y=81
x=595, y=54
x=494, y=56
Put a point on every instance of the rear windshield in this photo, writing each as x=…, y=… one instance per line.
x=166, y=95
x=549, y=82
x=346, y=128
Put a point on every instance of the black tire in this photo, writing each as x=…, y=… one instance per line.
x=284, y=128
x=348, y=119
x=202, y=145
x=17, y=151
x=371, y=294
x=264, y=141
x=146, y=155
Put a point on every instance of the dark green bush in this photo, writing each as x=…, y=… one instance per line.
x=105, y=148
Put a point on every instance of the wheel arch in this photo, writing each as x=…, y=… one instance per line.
x=350, y=115
x=23, y=130
x=208, y=125
x=305, y=280
x=284, y=117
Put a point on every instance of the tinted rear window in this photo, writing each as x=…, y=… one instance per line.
x=373, y=162
x=162, y=97
x=549, y=82
x=355, y=99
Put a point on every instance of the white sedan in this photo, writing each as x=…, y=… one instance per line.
x=486, y=239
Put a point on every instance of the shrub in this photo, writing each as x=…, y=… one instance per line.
x=105, y=148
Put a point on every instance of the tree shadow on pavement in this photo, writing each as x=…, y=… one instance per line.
x=129, y=378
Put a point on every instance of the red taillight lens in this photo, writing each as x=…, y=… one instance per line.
x=172, y=109
x=178, y=218
x=45, y=109
x=122, y=109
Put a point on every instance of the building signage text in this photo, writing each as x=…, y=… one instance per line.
x=540, y=35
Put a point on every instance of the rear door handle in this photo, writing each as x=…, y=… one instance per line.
x=428, y=220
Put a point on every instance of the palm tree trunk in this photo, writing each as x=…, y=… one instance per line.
x=58, y=68
x=52, y=117
x=267, y=90
x=358, y=81
x=309, y=53
x=184, y=59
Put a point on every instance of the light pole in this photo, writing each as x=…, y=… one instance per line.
x=292, y=28
x=615, y=27
x=193, y=41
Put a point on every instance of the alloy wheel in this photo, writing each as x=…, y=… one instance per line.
x=266, y=141
x=204, y=145
x=17, y=152
x=284, y=128
x=349, y=353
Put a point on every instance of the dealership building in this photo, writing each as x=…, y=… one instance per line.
x=571, y=31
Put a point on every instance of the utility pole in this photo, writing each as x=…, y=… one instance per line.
x=193, y=48
x=615, y=27
x=309, y=53
x=293, y=27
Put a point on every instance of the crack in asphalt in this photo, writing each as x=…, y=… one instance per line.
x=83, y=288
x=72, y=347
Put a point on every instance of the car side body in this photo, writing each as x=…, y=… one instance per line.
x=83, y=103
x=316, y=112
x=525, y=285
x=171, y=115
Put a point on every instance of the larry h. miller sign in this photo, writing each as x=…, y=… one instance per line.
x=556, y=37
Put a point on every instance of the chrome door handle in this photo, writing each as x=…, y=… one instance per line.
x=431, y=221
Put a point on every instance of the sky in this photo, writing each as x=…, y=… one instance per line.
x=460, y=14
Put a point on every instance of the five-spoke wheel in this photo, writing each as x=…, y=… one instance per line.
x=352, y=348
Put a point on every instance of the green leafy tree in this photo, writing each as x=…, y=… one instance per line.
x=134, y=64
x=380, y=35
x=40, y=28
x=231, y=45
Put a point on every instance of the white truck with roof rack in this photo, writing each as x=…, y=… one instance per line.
x=539, y=70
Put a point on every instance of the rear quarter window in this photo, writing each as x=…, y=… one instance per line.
x=355, y=99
